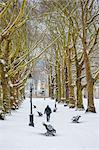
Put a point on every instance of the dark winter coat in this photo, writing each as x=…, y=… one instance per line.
x=48, y=110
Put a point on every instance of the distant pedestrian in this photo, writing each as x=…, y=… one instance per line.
x=47, y=111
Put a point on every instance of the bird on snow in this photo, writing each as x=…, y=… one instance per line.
x=34, y=106
x=50, y=130
x=75, y=119
x=40, y=114
x=55, y=109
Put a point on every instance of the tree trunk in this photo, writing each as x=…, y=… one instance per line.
x=71, y=87
x=59, y=82
x=66, y=85
x=79, y=94
x=63, y=79
x=89, y=78
x=79, y=103
x=4, y=76
x=1, y=90
x=90, y=84
x=49, y=83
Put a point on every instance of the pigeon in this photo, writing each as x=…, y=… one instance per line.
x=75, y=119
x=40, y=114
x=34, y=106
x=50, y=130
x=55, y=109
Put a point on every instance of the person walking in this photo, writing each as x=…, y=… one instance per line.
x=47, y=111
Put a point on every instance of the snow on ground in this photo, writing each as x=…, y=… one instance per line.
x=16, y=134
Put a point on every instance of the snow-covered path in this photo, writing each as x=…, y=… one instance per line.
x=16, y=134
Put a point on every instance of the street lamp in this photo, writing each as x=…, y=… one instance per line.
x=31, y=118
x=43, y=92
x=55, y=109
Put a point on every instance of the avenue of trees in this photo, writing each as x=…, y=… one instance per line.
x=70, y=57
x=64, y=33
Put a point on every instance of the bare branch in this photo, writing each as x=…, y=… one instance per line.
x=92, y=19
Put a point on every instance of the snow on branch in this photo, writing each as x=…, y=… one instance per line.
x=2, y=61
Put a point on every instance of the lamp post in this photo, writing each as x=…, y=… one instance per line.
x=31, y=118
x=43, y=93
x=55, y=103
